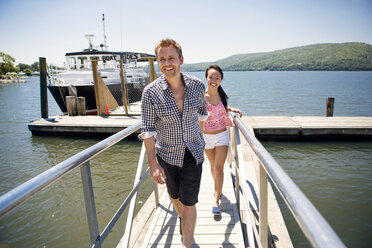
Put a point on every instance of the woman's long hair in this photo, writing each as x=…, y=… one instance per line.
x=221, y=92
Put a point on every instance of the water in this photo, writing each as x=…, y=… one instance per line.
x=335, y=176
x=298, y=93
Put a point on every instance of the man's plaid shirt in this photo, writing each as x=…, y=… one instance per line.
x=161, y=118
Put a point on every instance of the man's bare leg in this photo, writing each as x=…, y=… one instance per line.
x=188, y=225
x=188, y=215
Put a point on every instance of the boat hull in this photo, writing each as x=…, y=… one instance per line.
x=59, y=94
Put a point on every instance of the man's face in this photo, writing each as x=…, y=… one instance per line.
x=169, y=61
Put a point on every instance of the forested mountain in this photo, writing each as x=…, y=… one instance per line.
x=352, y=56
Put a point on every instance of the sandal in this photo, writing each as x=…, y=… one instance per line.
x=216, y=211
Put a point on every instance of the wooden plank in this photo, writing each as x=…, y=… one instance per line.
x=200, y=229
x=199, y=246
x=175, y=239
x=225, y=219
x=201, y=213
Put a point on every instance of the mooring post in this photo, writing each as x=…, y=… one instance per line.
x=152, y=70
x=97, y=88
x=43, y=88
x=330, y=106
x=81, y=106
x=71, y=105
x=123, y=86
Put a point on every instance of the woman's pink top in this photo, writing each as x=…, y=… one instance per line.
x=217, y=118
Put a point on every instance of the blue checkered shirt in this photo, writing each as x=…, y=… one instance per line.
x=161, y=118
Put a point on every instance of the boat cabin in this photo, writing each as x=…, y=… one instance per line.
x=106, y=59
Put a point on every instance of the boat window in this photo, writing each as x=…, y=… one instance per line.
x=83, y=62
x=71, y=61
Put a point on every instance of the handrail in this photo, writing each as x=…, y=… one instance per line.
x=313, y=225
x=18, y=195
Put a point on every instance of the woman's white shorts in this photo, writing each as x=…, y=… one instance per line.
x=219, y=139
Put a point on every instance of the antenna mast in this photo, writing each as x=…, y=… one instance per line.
x=104, y=32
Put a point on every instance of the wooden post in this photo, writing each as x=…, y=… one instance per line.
x=152, y=70
x=81, y=106
x=330, y=106
x=97, y=88
x=71, y=105
x=123, y=86
x=263, y=208
x=43, y=88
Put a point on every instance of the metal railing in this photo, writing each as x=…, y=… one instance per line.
x=20, y=194
x=313, y=225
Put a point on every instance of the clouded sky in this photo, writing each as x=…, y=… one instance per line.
x=207, y=30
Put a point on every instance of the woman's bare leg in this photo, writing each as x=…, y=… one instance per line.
x=217, y=157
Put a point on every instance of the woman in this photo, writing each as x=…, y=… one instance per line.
x=214, y=131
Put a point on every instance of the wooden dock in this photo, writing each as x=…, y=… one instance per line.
x=88, y=125
x=310, y=127
x=295, y=128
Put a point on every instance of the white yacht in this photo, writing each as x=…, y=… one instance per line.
x=77, y=77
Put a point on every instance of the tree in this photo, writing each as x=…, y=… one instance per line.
x=23, y=67
x=6, y=63
x=35, y=66
x=28, y=71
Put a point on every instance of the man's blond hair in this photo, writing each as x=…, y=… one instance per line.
x=166, y=43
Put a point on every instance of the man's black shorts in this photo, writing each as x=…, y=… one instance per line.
x=183, y=183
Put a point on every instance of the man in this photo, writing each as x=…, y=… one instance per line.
x=172, y=107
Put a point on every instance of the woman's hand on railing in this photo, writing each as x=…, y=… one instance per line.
x=236, y=113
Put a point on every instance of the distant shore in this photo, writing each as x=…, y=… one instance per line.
x=13, y=80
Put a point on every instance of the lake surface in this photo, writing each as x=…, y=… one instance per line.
x=335, y=176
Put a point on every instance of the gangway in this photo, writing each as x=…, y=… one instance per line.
x=242, y=211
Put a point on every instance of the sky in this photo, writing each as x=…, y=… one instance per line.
x=207, y=30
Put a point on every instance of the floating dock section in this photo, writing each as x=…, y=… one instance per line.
x=276, y=128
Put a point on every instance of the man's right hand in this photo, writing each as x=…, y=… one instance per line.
x=157, y=173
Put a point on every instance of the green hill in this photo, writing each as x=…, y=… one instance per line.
x=352, y=56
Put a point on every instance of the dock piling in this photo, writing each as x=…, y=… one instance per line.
x=152, y=70
x=43, y=88
x=75, y=105
x=330, y=106
x=123, y=86
x=81, y=106
x=97, y=88
x=71, y=105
